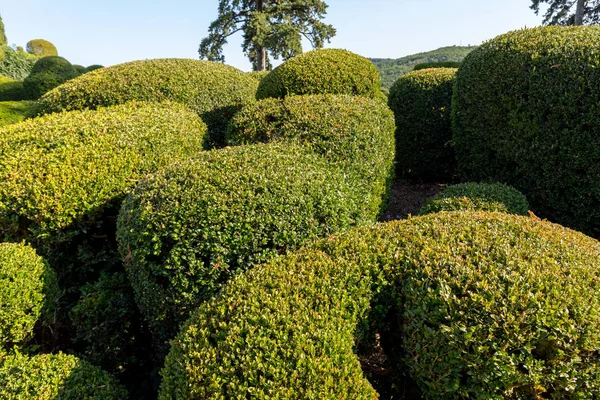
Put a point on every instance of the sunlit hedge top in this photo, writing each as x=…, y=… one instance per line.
x=526, y=112
x=485, y=305
x=323, y=71
x=215, y=91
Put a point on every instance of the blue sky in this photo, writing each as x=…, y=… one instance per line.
x=110, y=32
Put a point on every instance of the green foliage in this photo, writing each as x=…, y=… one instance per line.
x=16, y=65
x=486, y=305
x=13, y=111
x=421, y=101
x=55, y=377
x=354, y=134
x=188, y=229
x=258, y=75
x=46, y=74
x=440, y=64
x=94, y=67
x=3, y=39
x=80, y=69
x=41, y=48
x=213, y=90
x=63, y=175
x=11, y=91
x=323, y=71
x=560, y=12
x=274, y=28
x=524, y=113
x=493, y=197
x=27, y=289
x=392, y=69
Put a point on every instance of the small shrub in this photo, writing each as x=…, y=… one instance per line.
x=352, y=132
x=525, y=112
x=215, y=91
x=47, y=73
x=80, y=69
x=41, y=48
x=440, y=64
x=258, y=75
x=55, y=376
x=27, y=289
x=12, y=91
x=94, y=67
x=478, y=197
x=322, y=71
x=484, y=305
x=421, y=102
x=188, y=229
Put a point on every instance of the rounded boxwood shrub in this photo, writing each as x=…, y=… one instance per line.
x=525, y=112
x=439, y=64
x=322, y=71
x=189, y=228
x=63, y=176
x=80, y=69
x=27, y=289
x=48, y=73
x=94, y=67
x=421, y=102
x=258, y=75
x=12, y=91
x=478, y=197
x=55, y=377
x=215, y=91
x=485, y=305
x=352, y=132
x=41, y=48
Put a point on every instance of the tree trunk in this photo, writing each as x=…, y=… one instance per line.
x=261, y=54
x=579, y=12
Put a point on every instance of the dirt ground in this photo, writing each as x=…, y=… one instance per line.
x=408, y=198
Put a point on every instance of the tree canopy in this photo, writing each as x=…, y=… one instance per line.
x=569, y=12
x=271, y=28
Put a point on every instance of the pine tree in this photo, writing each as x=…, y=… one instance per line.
x=569, y=12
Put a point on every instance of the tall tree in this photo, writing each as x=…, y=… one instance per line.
x=569, y=12
x=3, y=40
x=271, y=28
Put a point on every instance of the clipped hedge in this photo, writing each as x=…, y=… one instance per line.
x=94, y=67
x=525, y=112
x=46, y=74
x=478, y=197
x=322, y=71
x=215, y=91
x=455, y=284
x=258, y=75
x=12, y=91
x=352, y=132
x=55, y=377
x=63, y=175
x=27, y=289
x=80, y=69
x=439, y=64
x=41, y=48
x=187, y=230
x=421, y=102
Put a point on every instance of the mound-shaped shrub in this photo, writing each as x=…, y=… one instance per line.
x=47, y=73
x=63, y=176
x=12, y=91
x=439, y=64
x=421, y=102
x=80, y=69
x=189, y=228
x=322, y=71
x=352, y=132
x=41, y=48
x=13, y=111
x=525, y=112
x=94, y=67
x=478, y=197
x=215, y=91
x=258, y=75
x=55, y=377
x=27, y=289
x=481, y=305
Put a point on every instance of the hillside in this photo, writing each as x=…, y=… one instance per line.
x=390, y=69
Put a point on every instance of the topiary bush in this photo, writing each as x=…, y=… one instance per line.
x=322, y=71
x=27, y=290
x=524, y=113
x=188, y=229
x=215, y=91
x=478, y=197
x=64, y=175
x=454, y=286
x=12, y=91
x=439, y=64
x=258, y=75
x=80, y=69
x=352, y=132
x=47, y=73
x=41, y=48
x=421, y=102
x=93, y=67
x=55, y=377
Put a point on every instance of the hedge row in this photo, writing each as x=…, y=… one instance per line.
x=421, y=101
x=455, y=284
x=188, y=229
x=322, y=71
x=354, y=133
x=439, y=64
x=525, y=112
x=215, y=91
x=495, y=197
